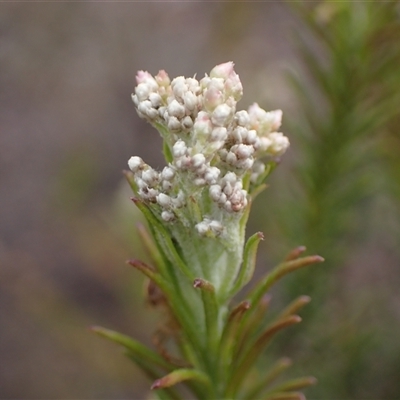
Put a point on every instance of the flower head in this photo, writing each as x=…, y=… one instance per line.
x=216, y=155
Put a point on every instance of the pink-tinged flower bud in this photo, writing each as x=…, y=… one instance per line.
x=222, y=70
x=279, y=143
x=276, y=119
x=162, y=78
x=263, y=144
x=202, y=125
x=264, y=122
x=212, y=97
x=143, y=76
x=233, y=86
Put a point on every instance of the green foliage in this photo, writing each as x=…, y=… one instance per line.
x=348, y=166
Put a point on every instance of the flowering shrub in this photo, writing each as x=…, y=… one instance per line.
x=197, y=209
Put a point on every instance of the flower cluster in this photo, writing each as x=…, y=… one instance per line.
x=211, y=145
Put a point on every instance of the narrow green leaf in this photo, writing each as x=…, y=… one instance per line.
x=229, y=339
x=211, y=308
x=295, y=384
x=149, y=371
x=163, y=239
x=249, y=261
x=255, y=350
x=295, y=306
x=130, y=178
x=167, y=152
x=277, y=369
x=278, y=272
x=180, y=375
x=151, y=274
x=133, y=346
x=151, y=247
x=285, y=396
x=295, y=253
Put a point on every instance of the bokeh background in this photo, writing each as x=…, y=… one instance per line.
x=68, y=126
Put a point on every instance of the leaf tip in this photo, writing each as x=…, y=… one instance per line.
x=156, y=384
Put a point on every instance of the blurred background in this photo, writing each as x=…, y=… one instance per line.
x=68, y=126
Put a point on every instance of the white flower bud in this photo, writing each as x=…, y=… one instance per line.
x=199, y=181
x=179, y=201
x=179, y=87
x=263, y=144
x=222, y=198
x=187, y=122
x=166, y=185
x=228, y=189
x=150, y=176
x=163, y=200
x=147, y=109
x=215, y=192
x=251, y=137
x=230, y=177
x=216, y=227
x=142, y=185
x=221, y=115
x=198, y=160
x=142, y=91
x=135, y=163
x=245, y=164
x=193, y=85
x=219, y=134
x=173, y=124
x=167, y=173
x=167, y=216
x=202, y=228
x=190, y=101
x=176, y=109
x=179, y=149
x=244, y=151
x=242, y=118
x=231, y=158
x=212, y=175
x=155, y=99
